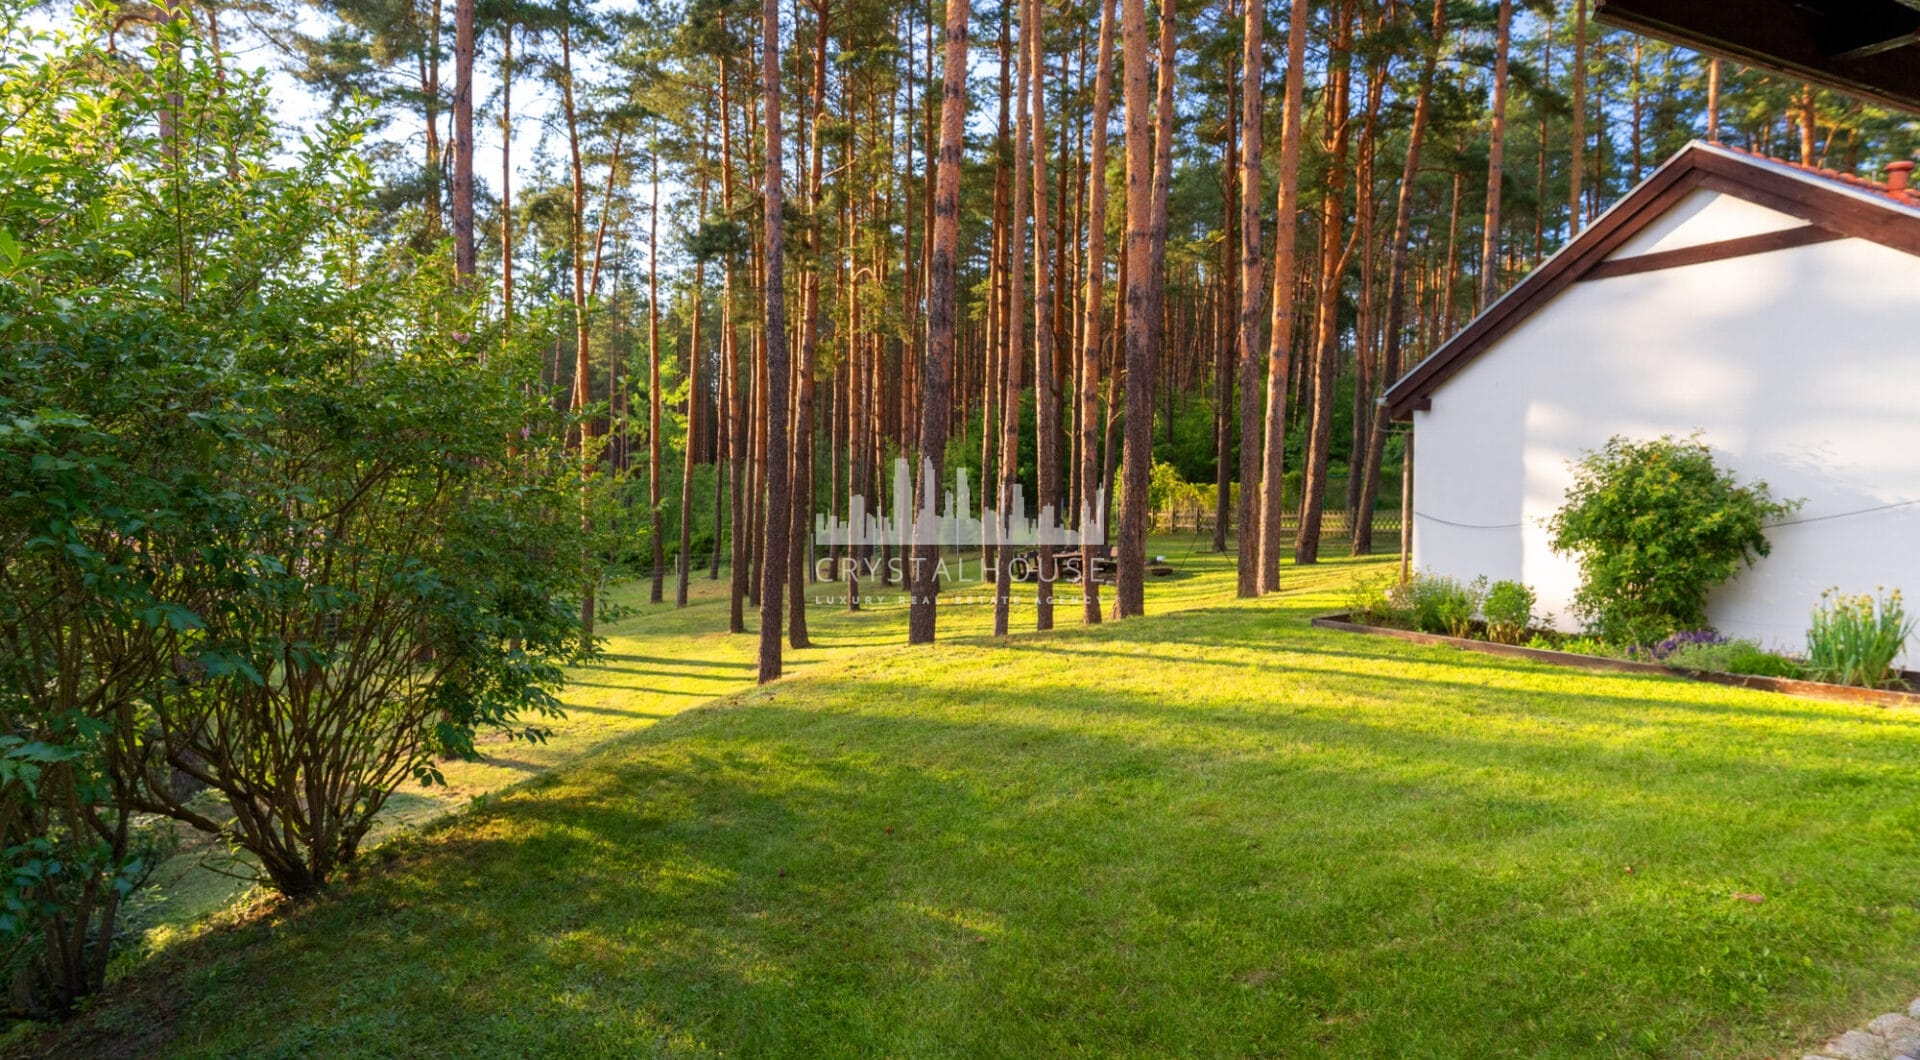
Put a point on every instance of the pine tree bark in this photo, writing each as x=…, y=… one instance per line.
x=1713, y=101
x=1809, y=125
x=1137, y=455
x=577, y=218
x=506, y=172
x=1045, y=395
x=654, y=454
x=1093, y=490
x=1577, y=165
x=803, y=427
x=1333, y=262
x=778, y=367
x=1285, y=268
x=1252, y=279
x=684, y=568
x=463, y=249
x=739, y=500
x=938, y=370
x=1016, y=355
x=1000, y=295
x=1397, y=280
x=1496, y=161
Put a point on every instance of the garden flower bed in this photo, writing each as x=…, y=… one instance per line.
x=1885, y=697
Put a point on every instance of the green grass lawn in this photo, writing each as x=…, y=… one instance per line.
x=1215, y=831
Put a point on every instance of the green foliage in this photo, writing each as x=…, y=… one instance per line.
x=1371, y=601
x=1654, y=527
x=1583, y=645
x=1854, y=640
x=1433, y=603
x=1509, y=611
x=1733, y=657
x=1165, y=488
x=281, y=510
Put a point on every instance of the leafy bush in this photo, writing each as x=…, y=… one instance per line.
x=1434, y=603
x=1655, y=526
x=1593, y=646
x=1854, y=640
x=1509, y=611
x=1731, y=657
x=281, y=509
x=1370, y=601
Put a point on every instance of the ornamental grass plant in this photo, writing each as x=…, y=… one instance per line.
x=1854, y=639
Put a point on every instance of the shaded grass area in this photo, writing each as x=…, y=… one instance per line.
x=658, y=660
x=1216, y=831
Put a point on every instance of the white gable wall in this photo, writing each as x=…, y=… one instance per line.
x=1800, y=367
x=1704, y=217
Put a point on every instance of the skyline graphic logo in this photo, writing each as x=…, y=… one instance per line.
x=957, y=528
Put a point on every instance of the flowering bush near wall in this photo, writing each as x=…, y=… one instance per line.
x=1655, y=526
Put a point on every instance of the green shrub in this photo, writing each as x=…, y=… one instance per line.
x=1655, y=526
x=1733, y=657
x=1370, y=601
x=1509, y=611
x=1855, y=639
x=1433, y=603
x=1593, y=646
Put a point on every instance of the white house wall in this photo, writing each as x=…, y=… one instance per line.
x=1704, y=217
x=1798, y=367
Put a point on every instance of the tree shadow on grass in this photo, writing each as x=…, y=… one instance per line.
x=777, y=880
x=1039, y=863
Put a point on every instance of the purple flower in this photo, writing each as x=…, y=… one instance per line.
x=1687, y=639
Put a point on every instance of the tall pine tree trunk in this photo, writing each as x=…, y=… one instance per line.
x=778, y=368
x=938, y=370
x=463, y=251
x=1397, y=281
x=1496, y=161
x=1333, y=261
x=506, y=173
x=654, y=455
x=1045, y=395
x=1093, y=489
x=1224, y=301
x=1577, y=165
x=739, y=500
x=577, y=218
x=1137, y=457
x=684, y=568
x=1016, y=356
x=1252, y=279
x=803, y=426
x=1285, y=268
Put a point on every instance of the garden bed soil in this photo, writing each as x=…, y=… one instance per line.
x=1883, y=697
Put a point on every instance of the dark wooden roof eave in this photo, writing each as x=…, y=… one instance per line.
x=1698, y=166
x=1866, y=48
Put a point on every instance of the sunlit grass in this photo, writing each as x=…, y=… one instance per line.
x=658, y=660
x=1216, y=831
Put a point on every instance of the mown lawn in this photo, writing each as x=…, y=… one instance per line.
x=1212, y=832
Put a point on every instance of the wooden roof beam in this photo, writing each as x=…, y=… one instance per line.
x=1855, y=46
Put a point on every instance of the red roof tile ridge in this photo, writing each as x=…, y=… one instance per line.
x=1905, y=197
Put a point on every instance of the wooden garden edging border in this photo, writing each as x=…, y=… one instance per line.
x=1879, y=697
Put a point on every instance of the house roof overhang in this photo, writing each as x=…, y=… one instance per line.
x=1869, y=48
x=1831, y=208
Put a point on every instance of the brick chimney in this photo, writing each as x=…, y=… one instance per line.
x=1899, y=177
